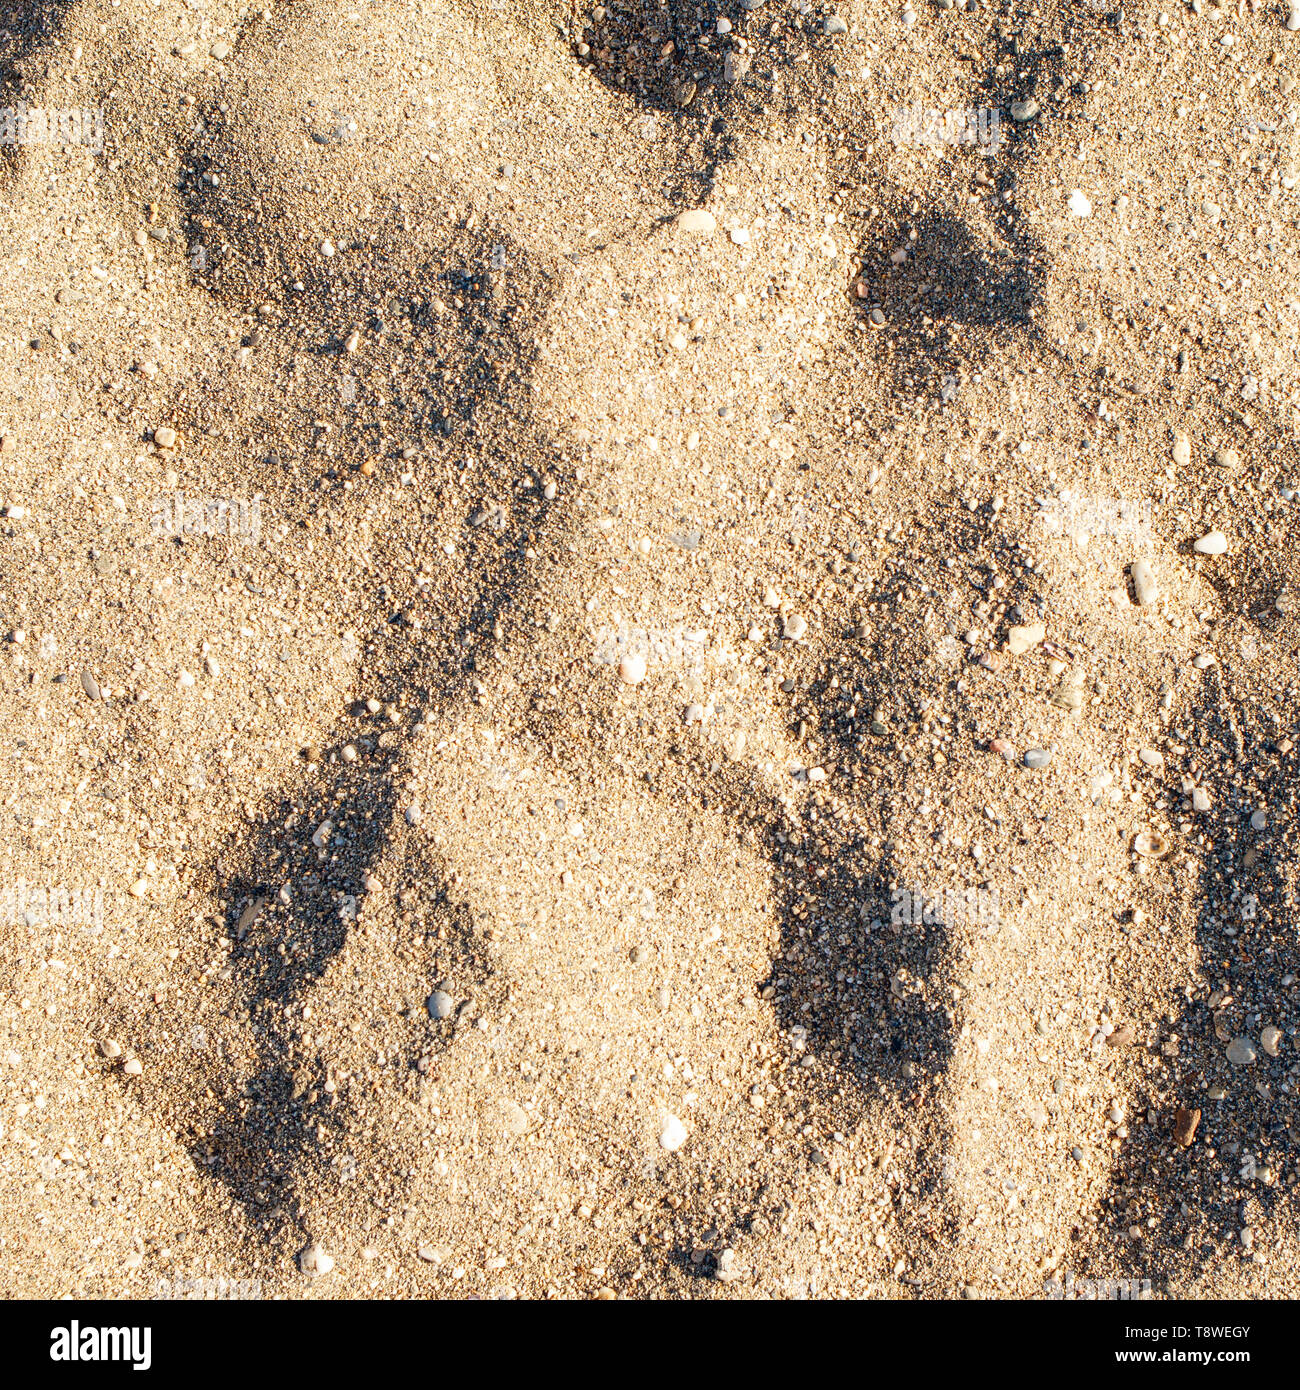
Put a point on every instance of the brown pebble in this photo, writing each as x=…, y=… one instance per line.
x=1003, y=746
x=1185, y=1122
x=368, y=469
x=8, y=443
x=1123, y=1036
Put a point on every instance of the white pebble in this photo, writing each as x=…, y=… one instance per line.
x=697, y=220
x=672, y=1134
x=1079, y=204
x=1022, y=639
x=1144, y=583
x=1213, y=543
x=631, y=669
x=314, y=1262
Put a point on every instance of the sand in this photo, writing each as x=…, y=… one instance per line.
x=608, y=683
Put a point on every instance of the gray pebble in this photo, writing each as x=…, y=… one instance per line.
x=1037, y=757
x=441, y=1004
x=1241, y=1052
x=90, y=685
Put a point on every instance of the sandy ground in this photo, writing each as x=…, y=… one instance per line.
x=709, y=763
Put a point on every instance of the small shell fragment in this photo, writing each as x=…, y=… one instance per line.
x=314, y=1262
x=1151, y=844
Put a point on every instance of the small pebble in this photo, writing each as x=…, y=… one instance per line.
x=672, y=1134
x=413, y=815
x=1213, y=543
x=165, y=437
x=314, y=1262
x=132, y=1067
x=1023, y=639
x=1079, y=205
x=1037, y=757
x=90, y=685
x=110, y=1048
x=1259, y=820
x=1144, y=583
x=1185, y=1123
x=1182, y=451
x=697, y=220
x=632, y=668
x=1241, y=1052
x=440, y=1004
x=1271, y=1040
x=834, y=25
x=796, y=628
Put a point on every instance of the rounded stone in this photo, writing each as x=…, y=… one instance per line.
x=1144, y=583
x=440, y=1004
x=1241, y=1052
x=314, y=1262
x=697, y=220
x=632, y=668
x=672, y=1134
